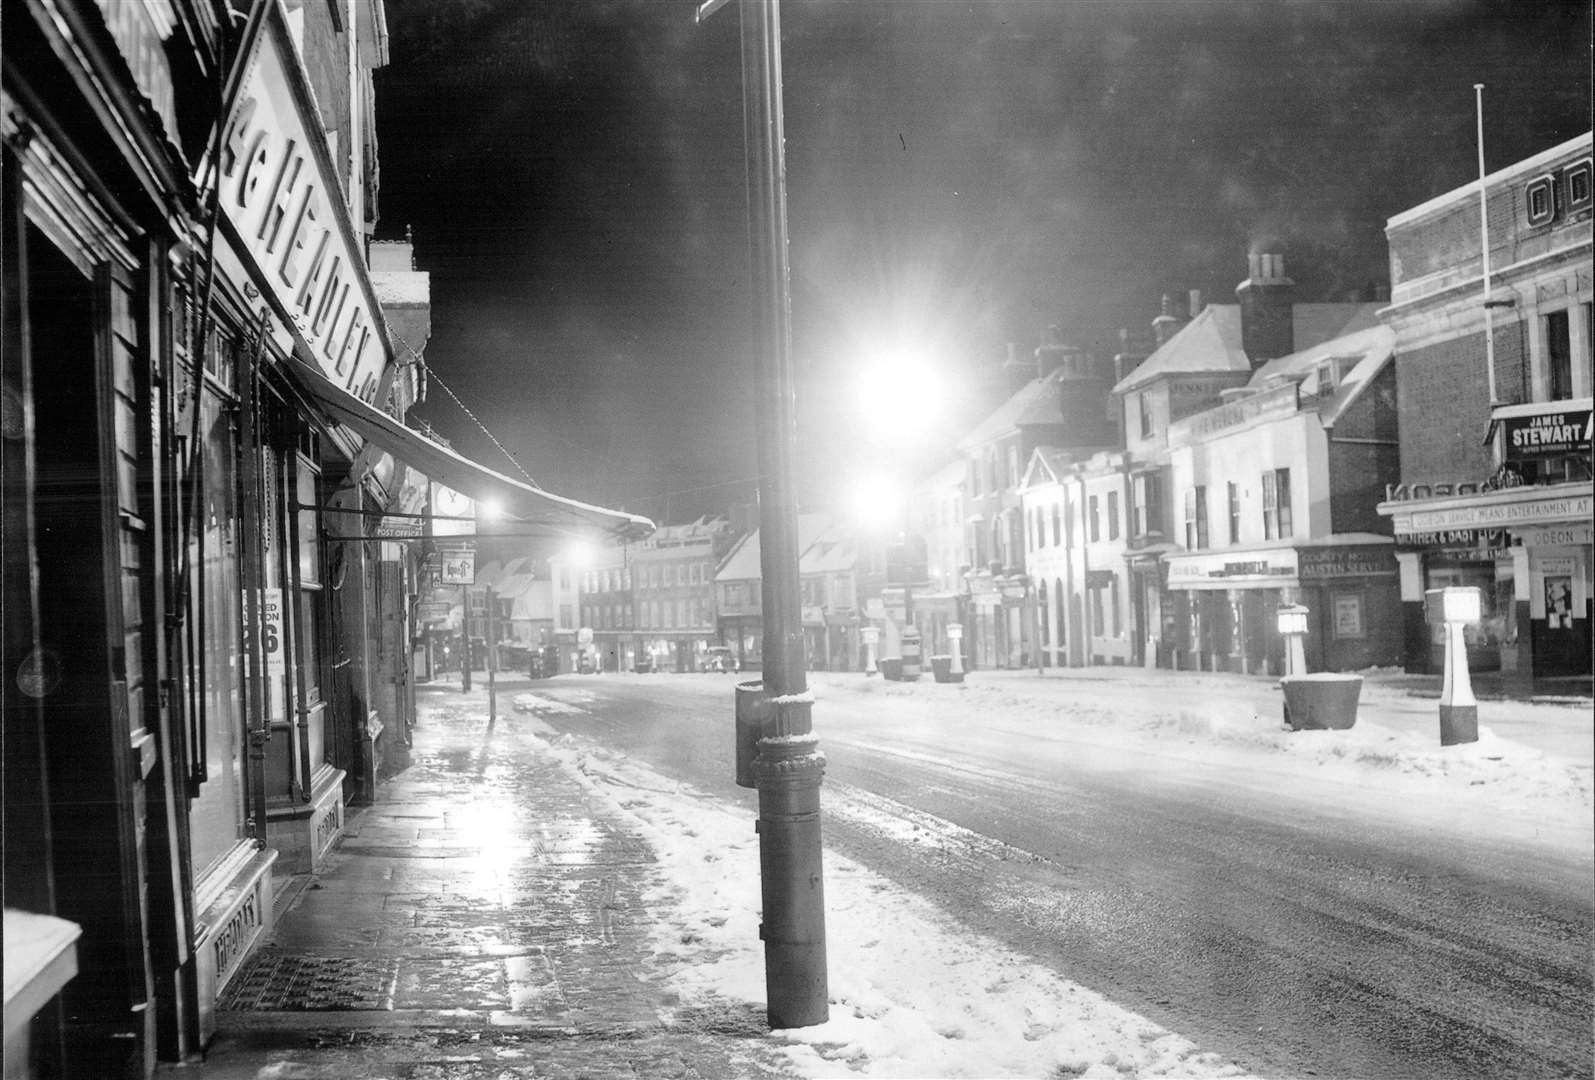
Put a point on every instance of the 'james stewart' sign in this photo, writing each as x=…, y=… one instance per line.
x=280, y=192
x=1548, y=434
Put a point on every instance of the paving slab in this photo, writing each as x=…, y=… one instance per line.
x=485, y=920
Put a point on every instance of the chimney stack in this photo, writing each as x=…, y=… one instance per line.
x=1168, y=322
x=1194, y=303
x=1267, y=324
x=1053, y=353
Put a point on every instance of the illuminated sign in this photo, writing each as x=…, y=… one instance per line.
x=280, y=192
x=1548, y=434
x=1493, y=515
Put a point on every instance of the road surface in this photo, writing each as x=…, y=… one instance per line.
x=1298, y=938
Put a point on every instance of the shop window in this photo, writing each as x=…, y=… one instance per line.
x=308, y=542
x=1144, y=404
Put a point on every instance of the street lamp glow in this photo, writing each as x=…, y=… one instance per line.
x=489, y=510
x=900, y=396
x=579, y=554
x=876, y=503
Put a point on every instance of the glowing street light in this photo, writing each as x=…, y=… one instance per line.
x=901, y=397
x=876, y=503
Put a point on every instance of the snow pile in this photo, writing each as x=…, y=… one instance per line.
x=919, y=996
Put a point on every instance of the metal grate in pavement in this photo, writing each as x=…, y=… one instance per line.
x=286, y=983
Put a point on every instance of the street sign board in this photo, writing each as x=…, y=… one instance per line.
x=458, y=567
x=429, y=611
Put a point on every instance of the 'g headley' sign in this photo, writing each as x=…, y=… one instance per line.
x=281, y=193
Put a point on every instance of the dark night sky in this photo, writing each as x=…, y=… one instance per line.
x=960, y=175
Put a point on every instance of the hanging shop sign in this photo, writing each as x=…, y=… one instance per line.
x=281, y=195
x=432, y=611
x=457, y=567
x=453, y=514
x=1550, y=434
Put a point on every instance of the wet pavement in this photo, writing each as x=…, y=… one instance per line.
x=487, y=919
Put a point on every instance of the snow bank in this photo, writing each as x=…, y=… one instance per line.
x=919, y=996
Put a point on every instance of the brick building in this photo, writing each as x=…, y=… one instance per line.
x=1494, y=391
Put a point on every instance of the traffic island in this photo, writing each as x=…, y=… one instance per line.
x=1321, y=701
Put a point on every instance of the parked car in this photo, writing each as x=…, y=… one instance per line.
x=718, y=658
x=645, y=664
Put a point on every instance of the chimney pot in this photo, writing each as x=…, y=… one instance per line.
x=1194, y=302
x=1267, y=321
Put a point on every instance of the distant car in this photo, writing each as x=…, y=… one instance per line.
x=718, y=658
x=645, y=664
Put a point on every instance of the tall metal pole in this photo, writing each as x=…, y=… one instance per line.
x=789, y=766
x=1484, y=243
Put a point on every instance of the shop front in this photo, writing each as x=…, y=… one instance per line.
x=101, y=527
x=1226, y=602
x=1527, y=548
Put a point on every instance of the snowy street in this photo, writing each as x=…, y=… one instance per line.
x=1353, y=903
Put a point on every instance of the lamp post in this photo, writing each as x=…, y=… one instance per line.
x=872, y=637
x=1293, y=628
x=1459, y=711
x=789, y=766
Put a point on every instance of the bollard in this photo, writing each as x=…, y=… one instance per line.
x=955, y=645
x=872, y=637
x=1456, y=607
x=911, y=658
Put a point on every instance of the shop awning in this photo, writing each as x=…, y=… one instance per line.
x=443, y=465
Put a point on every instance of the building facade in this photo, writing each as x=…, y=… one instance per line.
x=1277, y=487
x=184, y=597
x=1060, y=399
x=1206, y=358
x=673, y=590
x=210, y=548
x=1494, y=394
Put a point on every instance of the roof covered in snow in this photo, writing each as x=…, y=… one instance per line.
x=1211, y=342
